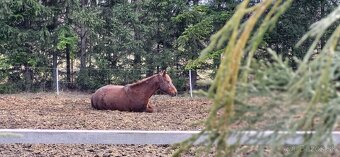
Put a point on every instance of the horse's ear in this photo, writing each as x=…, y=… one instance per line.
x=164, y=72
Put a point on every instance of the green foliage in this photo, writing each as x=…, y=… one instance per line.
x=88, y=17
x=178, y=79
x=292, y=25
x=223, y=89
x=200, y=23
x=327, y=60
x=141, y=35
x=66, y=37
x=272, y=75
x=91, y=79
x=7, y=88
x=305, y=92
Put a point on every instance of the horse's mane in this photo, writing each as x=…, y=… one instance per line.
x=139, y=82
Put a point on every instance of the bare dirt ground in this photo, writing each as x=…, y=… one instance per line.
x=73, y=111
x=84, y=150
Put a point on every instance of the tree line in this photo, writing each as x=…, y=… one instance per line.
x=88, y=40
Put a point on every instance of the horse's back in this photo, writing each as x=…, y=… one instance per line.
x=106, y=96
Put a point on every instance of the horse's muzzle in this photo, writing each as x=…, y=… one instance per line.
x=173, y=94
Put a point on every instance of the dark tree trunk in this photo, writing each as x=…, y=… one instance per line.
x=54, y=68
x=138, y=59
x=194, y=78
x=28, y=73
x=82, y=42
x=68, y=65
x=150, y=61
x=83, y=48
x=149, y=71
x=88, y=58
x=68, y=51
x=28, y=78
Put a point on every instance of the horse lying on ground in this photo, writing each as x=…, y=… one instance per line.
x=132, y=97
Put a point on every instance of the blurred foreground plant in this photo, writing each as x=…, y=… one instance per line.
x=236, y=34
x=311, y=82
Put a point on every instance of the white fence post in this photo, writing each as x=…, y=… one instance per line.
x=190, y=83
x=57, y=78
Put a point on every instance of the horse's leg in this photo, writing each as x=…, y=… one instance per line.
x=149, y=108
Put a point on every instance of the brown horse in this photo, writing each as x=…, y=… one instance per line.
x=132, y=97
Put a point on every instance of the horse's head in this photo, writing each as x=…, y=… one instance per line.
x=165, y=84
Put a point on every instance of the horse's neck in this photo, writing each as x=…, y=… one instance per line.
x=145, y=88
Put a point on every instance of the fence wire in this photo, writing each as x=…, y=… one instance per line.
x=43, y=79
